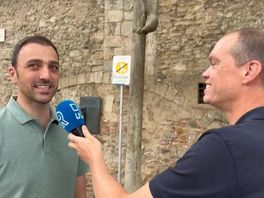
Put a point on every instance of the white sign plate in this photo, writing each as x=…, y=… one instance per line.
x=2, y=35
x=121, y=70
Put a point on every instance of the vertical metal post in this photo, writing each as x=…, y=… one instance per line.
x=120, y=134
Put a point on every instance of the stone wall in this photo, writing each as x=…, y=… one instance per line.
x=89, y=32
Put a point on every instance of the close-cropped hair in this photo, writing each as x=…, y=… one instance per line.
x=42, y=40
x=249, y=46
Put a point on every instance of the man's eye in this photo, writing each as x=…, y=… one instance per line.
x=54, y=67
x=213, y=65
x=33, y=66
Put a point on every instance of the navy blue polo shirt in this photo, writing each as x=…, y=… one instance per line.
x=224, y=163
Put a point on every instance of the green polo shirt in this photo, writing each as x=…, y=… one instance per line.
x=35, y=163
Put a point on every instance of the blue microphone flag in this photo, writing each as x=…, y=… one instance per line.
x=69, y=115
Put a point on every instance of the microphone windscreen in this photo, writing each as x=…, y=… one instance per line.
x=69, y=115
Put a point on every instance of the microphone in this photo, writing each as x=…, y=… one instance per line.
x=70, y=117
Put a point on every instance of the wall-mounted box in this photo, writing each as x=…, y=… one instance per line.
x=91, y=107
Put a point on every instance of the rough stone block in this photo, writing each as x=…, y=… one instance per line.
x=81, y=78
x=113, y=41
x=114, y=15
x=126, y=28
x=98, y=77
x=106, y=78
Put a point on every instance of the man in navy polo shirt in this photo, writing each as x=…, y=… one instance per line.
x=224, y=163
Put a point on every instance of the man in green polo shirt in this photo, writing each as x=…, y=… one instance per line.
x=35, y=161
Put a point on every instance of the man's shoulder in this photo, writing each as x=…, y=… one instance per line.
x=219, y=131
x=5, y=119
x=238, y=134
x=3, y=111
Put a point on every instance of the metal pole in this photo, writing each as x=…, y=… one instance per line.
x=120, y=134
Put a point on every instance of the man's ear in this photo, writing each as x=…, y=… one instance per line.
x=12, y=74
x=251, y=71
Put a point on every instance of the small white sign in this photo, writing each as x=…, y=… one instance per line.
x=121, y=70
x=2, y=35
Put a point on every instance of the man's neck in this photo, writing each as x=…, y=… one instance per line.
x=238, y=110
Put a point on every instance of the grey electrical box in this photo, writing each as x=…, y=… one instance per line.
x=91, y=107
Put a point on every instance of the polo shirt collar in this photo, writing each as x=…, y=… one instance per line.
x=19, y=113
x=254, y=114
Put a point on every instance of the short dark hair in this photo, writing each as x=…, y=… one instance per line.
x=42, y=40
x=249, y=46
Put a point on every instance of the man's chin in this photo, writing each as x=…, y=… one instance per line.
x=43, y=100
x=206, y=100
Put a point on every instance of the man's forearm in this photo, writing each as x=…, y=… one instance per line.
x=104, y=184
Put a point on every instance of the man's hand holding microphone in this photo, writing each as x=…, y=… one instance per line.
x=87, y=147
x=80, y=139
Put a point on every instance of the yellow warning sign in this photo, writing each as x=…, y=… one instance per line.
x=121, y=67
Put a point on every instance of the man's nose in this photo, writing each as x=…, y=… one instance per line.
x=205, y=73
x=45, y=72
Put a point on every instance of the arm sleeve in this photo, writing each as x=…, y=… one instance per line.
x=207, y=170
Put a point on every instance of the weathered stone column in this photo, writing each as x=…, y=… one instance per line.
x=145, y=20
